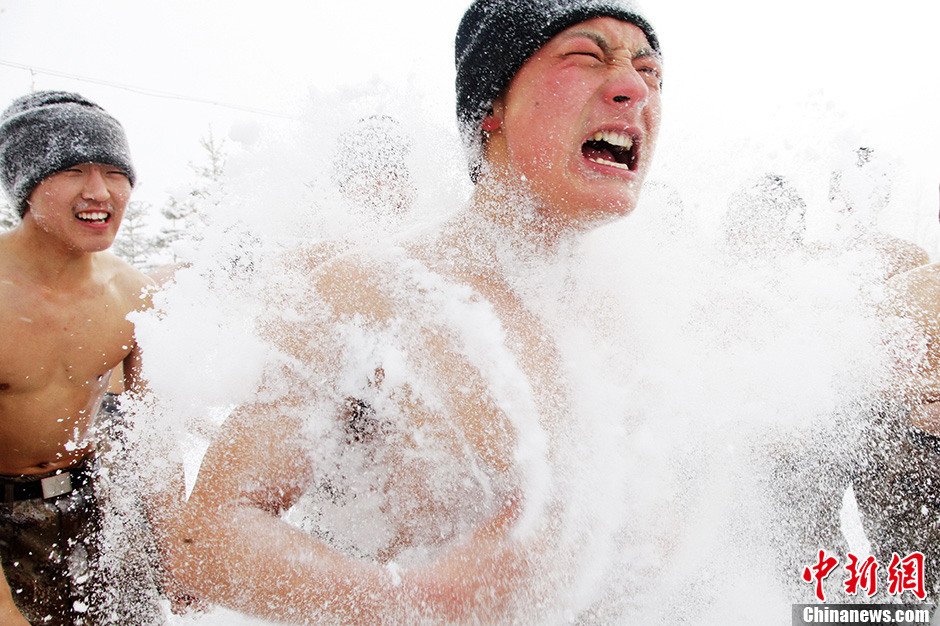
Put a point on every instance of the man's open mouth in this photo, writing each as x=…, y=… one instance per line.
x=611, y=148
x=94, y=217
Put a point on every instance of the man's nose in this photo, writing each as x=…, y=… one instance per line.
x=626, y=87
x=95, y=188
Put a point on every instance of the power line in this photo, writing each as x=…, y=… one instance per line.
x=155, y=93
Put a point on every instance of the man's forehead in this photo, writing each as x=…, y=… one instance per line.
x=611, y=34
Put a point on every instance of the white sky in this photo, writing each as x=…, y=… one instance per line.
x=731, y=66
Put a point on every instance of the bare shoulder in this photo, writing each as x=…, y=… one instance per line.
x=317, y=286
x=361, y=286
x=309, y=257
x=349, y=283
x=915, y=296
x=900, y=256
x=133, y=286
x=916, y=293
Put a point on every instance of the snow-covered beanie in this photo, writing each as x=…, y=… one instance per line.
x=496, y=37
x=48, y=131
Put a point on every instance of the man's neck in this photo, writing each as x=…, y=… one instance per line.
x=500, y=240
x=47, y=259
x=514, y=210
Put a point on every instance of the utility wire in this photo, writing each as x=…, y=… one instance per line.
x=143, y=90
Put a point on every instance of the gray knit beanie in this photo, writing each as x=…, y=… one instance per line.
x=48, y=131
x=496, y=37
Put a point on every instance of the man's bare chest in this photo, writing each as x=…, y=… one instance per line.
x=57, y=339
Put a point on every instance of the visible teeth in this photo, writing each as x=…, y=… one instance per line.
x=93, y=216
x=614, y=139
x=622, y=166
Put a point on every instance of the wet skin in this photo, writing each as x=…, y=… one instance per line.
x=63, y=303
x=228, y=540
x=599, y=75
x=9, y=614
x=915, y=295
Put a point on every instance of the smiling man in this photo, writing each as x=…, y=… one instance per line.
x=65, y=165
x=419, y=405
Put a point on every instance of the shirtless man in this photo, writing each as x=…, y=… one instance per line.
x=65, y=164
x=560, y=108
x=897, y=494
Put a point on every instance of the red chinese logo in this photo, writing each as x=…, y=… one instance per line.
x=819, y=572
x=907, y=574
x=864, y=576
x=904, y=574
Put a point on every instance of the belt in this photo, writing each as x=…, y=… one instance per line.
x=62, y=482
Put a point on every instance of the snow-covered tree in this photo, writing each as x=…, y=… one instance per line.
x=8, y=217
x=214, y=167
x=136, y=243
x=179, y=216
x=189, y=208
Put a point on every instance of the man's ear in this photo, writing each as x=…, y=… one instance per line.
x=494, y=119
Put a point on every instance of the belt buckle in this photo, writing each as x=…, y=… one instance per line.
x=57, y=485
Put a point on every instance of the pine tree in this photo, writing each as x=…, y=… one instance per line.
x=135, y=242
x=207, y=189
x=216, y=155
x=179, y=217
x=8, y=217
x=187, y=211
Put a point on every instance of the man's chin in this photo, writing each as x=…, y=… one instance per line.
x=95, y=246
x=599, y=210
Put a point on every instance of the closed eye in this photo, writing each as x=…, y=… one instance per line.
x=651, y=73
x=585, y=44
x=593, y=54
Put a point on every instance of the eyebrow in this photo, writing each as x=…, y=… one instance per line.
x=642, y=53
x=596, y=38
x=648, y=53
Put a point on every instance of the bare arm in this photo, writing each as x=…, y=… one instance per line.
x=132, y=368
x=230, y=546
x=902, y=256
x=915, y=296
x=900, y=488
x=170, y=494
x=9, y=614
